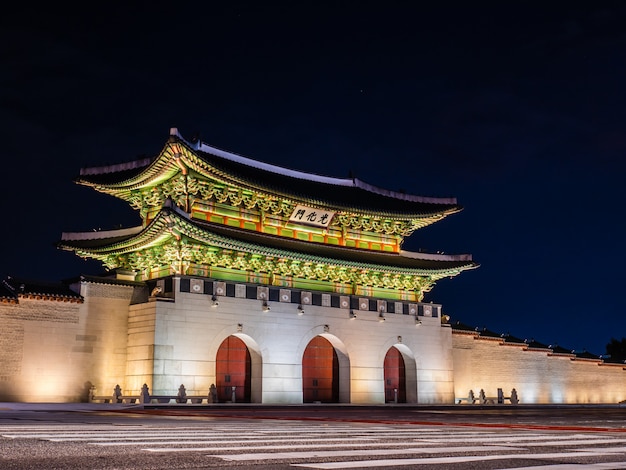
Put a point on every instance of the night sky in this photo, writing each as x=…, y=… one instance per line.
x=518, y=110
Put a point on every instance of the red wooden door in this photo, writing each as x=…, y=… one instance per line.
x=232, y=369
x=320, y=372
x=395, y=377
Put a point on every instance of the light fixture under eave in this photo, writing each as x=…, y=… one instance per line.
x=300, y=309
x=381, y=317
x=266, y=308
x=352, y=315
x=214, y=302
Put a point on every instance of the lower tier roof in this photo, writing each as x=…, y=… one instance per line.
x=172, y=221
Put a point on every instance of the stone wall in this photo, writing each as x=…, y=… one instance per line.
x=538, y=376
x=54, y=350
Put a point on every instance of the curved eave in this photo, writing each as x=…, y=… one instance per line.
x=134, y=175
x=108, y=242
x=215, y=164
x=172, y=222
x=309, y=189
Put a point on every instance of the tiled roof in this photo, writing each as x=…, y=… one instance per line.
x=15, y=288
x=510, y=339
x=247, y=240
x=106, y=278
x=7, y=293
x=584, y=354
x=486, y=333
x=354, y=255
x=532, y=344
x=613, y=360
x=346, y=194
x=113, y=176
x=560, y=350
x=462, y=327
x=350, y=197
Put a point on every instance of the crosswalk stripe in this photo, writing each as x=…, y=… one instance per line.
x=293, y=442
x=593, y=441
x=241, y=439
x=617, y=450
x=355, y=453
x=49, y=434
x=191, y=433
x=575, y=466
x=532, y=437
x=265, y=441
x=445, y=460
x=434, y=450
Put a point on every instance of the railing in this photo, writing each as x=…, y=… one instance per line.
x=483, y=399
x=145, y=398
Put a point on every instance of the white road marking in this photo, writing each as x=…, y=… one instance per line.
x=617, y=450
x=221, y=439
x=527, y=437
x=280, y=441
x=253, y=434
x=575, y=466
x=433, y=450
x=591, y=441
x=357, y=453
x=445, y=460
x=217, y=433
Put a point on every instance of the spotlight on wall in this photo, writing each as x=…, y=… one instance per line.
x=352, y=315
x=381, y=317
x=266, y=308
x=418, y=321
x=300, y=309
x=214, y=302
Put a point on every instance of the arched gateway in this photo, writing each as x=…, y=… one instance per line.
x=395, y=377
x=233, y=371
x=320, y=372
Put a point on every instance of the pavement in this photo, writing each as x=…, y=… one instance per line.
x=593, y=418
x=68, y=407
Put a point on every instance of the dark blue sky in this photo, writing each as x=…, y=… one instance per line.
x=517, y=110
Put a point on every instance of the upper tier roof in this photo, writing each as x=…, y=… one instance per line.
x=349, y=194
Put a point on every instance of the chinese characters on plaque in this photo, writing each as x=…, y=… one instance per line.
x=311, y=216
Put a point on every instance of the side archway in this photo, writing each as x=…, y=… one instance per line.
x=238, y=370
x=394, y=376
x=400, y=372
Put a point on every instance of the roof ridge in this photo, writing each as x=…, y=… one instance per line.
x=98, y=170
x=298, y=174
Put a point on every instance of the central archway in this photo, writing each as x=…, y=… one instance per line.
x=233, y=371
x=320, y=372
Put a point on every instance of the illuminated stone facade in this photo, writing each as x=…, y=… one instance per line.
x=539, y=373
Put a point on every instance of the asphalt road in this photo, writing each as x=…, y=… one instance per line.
x=322, y=436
